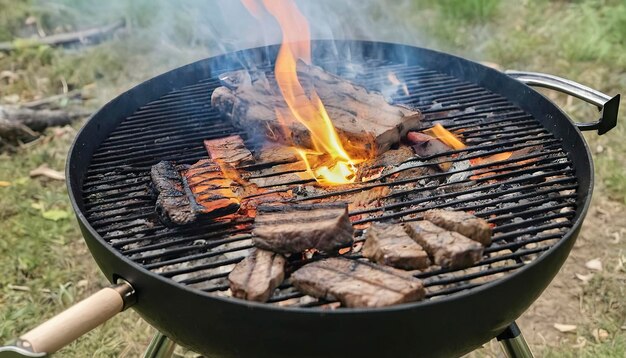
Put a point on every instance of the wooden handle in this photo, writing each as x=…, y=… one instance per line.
x=77, y=320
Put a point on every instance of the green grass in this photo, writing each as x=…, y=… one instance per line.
x=603, y=302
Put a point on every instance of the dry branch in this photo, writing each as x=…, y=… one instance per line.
x=83, y=36
x=22, y=124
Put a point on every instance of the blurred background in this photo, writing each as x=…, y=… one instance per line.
x=44, y=263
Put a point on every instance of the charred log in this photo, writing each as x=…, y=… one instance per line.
x=366, y=122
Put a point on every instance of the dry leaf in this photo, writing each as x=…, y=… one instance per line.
x=600, y=334
x=594, y=264
x=4, y=183
x=580, y=342
x=565, y=328
x=584, y=278
x=47, y=172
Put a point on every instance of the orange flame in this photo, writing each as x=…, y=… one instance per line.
x=439, y=132
x=306, y=108
x=444, y=135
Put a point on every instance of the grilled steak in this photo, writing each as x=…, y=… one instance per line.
x=172, y=203
x=295, y=228
x=229, y=150
x=364, y=119
x=446, y=248
x=212, y=191
x=391, y=245
x=357, y=283
x=256, y=277
x=186, y=193
x=465, y=224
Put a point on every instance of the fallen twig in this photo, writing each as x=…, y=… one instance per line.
x=83, y=36
x=43, y=101
x=46, y=171
x=22, y=124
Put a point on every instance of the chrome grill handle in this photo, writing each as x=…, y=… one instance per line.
x=607, y=105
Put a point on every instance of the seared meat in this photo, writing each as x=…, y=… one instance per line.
x=357, y=283
x=172, y=204
x=391, y=245
x=446, y=248
x=465, y=224
x=295, y=228
x=211, y=190
x=256, y=277
x=186, y=193
x=229, y=150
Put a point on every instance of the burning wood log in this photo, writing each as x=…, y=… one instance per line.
x=185, y=194
x=465, y=224
x=295, y=228
x=391, y=245
x=447, y=249
x=274, y=153
x=364, y=120
x=257, y=276
x=229, y=150
x=357, y=283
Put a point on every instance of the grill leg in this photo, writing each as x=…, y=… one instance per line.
x=513, y=343
x=160, y=347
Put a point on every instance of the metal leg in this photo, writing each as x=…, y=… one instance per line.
x=160, y=347
x=513, y=343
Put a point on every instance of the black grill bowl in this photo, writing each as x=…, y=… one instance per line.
x=449, y=325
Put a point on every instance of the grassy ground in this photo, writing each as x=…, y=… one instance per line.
x=46, y=267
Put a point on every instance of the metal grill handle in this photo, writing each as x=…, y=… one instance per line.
x=607, y=105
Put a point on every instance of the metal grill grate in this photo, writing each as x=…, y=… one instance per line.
x=530, y=199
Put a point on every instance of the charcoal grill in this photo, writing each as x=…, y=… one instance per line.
x=178, y=275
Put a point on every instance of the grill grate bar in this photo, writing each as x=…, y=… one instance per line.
x=369, y=185
x=407, y=212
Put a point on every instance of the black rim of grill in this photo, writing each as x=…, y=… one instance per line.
x=532, y=204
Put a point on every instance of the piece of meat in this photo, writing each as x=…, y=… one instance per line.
x=172, y=203
x=464, y=223
x=447, y=249
x=256, y=277
x=186, y=193
x=295, y=228
x=364, y=120
x=390, y=245
x=212, y=191
x=231, y=150
x=357, y=283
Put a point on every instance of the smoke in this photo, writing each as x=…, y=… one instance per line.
x=328, y=19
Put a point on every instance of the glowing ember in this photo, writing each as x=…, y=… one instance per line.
x=328, y=162
x=444, y=135
x=439, y=132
